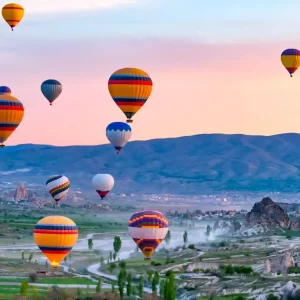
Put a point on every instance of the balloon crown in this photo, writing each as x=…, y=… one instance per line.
x=5, y=90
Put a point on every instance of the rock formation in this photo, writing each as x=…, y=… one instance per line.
x=268, y=213
x=21, y=193
x=268, y=266
x=225, y=227
x=287, y=261
x=265, y=216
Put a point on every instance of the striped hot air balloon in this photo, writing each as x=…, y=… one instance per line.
x=11, y=114
x=55, y=236
x=290, y=59
x=103, y=183
x=51, y=89
x=148, y=229
x=130, y=88
x=118, y=133
x=58, y=186
x=12, y=13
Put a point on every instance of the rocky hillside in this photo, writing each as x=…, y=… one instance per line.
x=265, y=216
x=21, y=193
x=267, y=213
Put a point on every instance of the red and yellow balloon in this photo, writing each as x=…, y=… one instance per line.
x=290, y=59
x=55, y=236
x=12, y=13
x=130, y=88
x=11, y=114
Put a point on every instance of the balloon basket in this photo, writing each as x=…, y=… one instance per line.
x=2, y=146
x=147, y=258
x=129, y=121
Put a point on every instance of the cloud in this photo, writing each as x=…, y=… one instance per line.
x=67, y=6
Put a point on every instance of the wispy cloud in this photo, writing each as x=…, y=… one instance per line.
x=67, y=6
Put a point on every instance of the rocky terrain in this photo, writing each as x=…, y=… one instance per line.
x=39, y=198
x=265, y=216
x=184, y=165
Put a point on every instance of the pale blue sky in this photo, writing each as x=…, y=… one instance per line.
x=213, y=21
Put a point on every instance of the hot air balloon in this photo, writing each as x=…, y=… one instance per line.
x=118, y=133
x=290, y=59
x=103, y=183
x=55, y=236
x=58, y=186
x=51, y=89
x=148, y=229
x=130, y=88
x=12, y=13
x=11, y=114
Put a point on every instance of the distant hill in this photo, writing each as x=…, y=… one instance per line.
x=184, y=165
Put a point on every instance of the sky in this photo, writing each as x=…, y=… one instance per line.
x=215, y=67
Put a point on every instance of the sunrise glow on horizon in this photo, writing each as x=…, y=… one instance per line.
x=215, y=68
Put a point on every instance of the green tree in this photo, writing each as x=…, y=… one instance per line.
x=208, y=230
x=168, y=237
x=113, y=287
x=185, y=237
x=137, y=249
x=90, y=244
x=129, y=285
x=65, y=259
x=121, y=282
x=170, y=287
x=110, y=256
x=114, y=256
x=117, y=244
x=161, y=288
x=23, y=255
x=34, y=292
x=30, y=257
x=149, y=276
x=99, y=286
x=141, y=286
x=122, y=264
x=112, y=267
x=133, y=289
x=101, y=260
x=70, y=255
x=79, y=292
x=272, y=297
x=155, y=282
x=24, y=288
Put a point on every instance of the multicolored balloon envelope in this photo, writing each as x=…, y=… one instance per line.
x=12, y=13
x=148, y=229
x=51, y=89
x=55, y=236
x=58, y=186
x=130, y=88
x=118, y=133
x=290, y=59
x=11, y=114
x=103, y=183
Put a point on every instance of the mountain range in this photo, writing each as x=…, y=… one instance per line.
x=183, y=165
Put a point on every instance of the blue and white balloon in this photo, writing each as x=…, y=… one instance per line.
x=118, y=133
x=51, y=89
